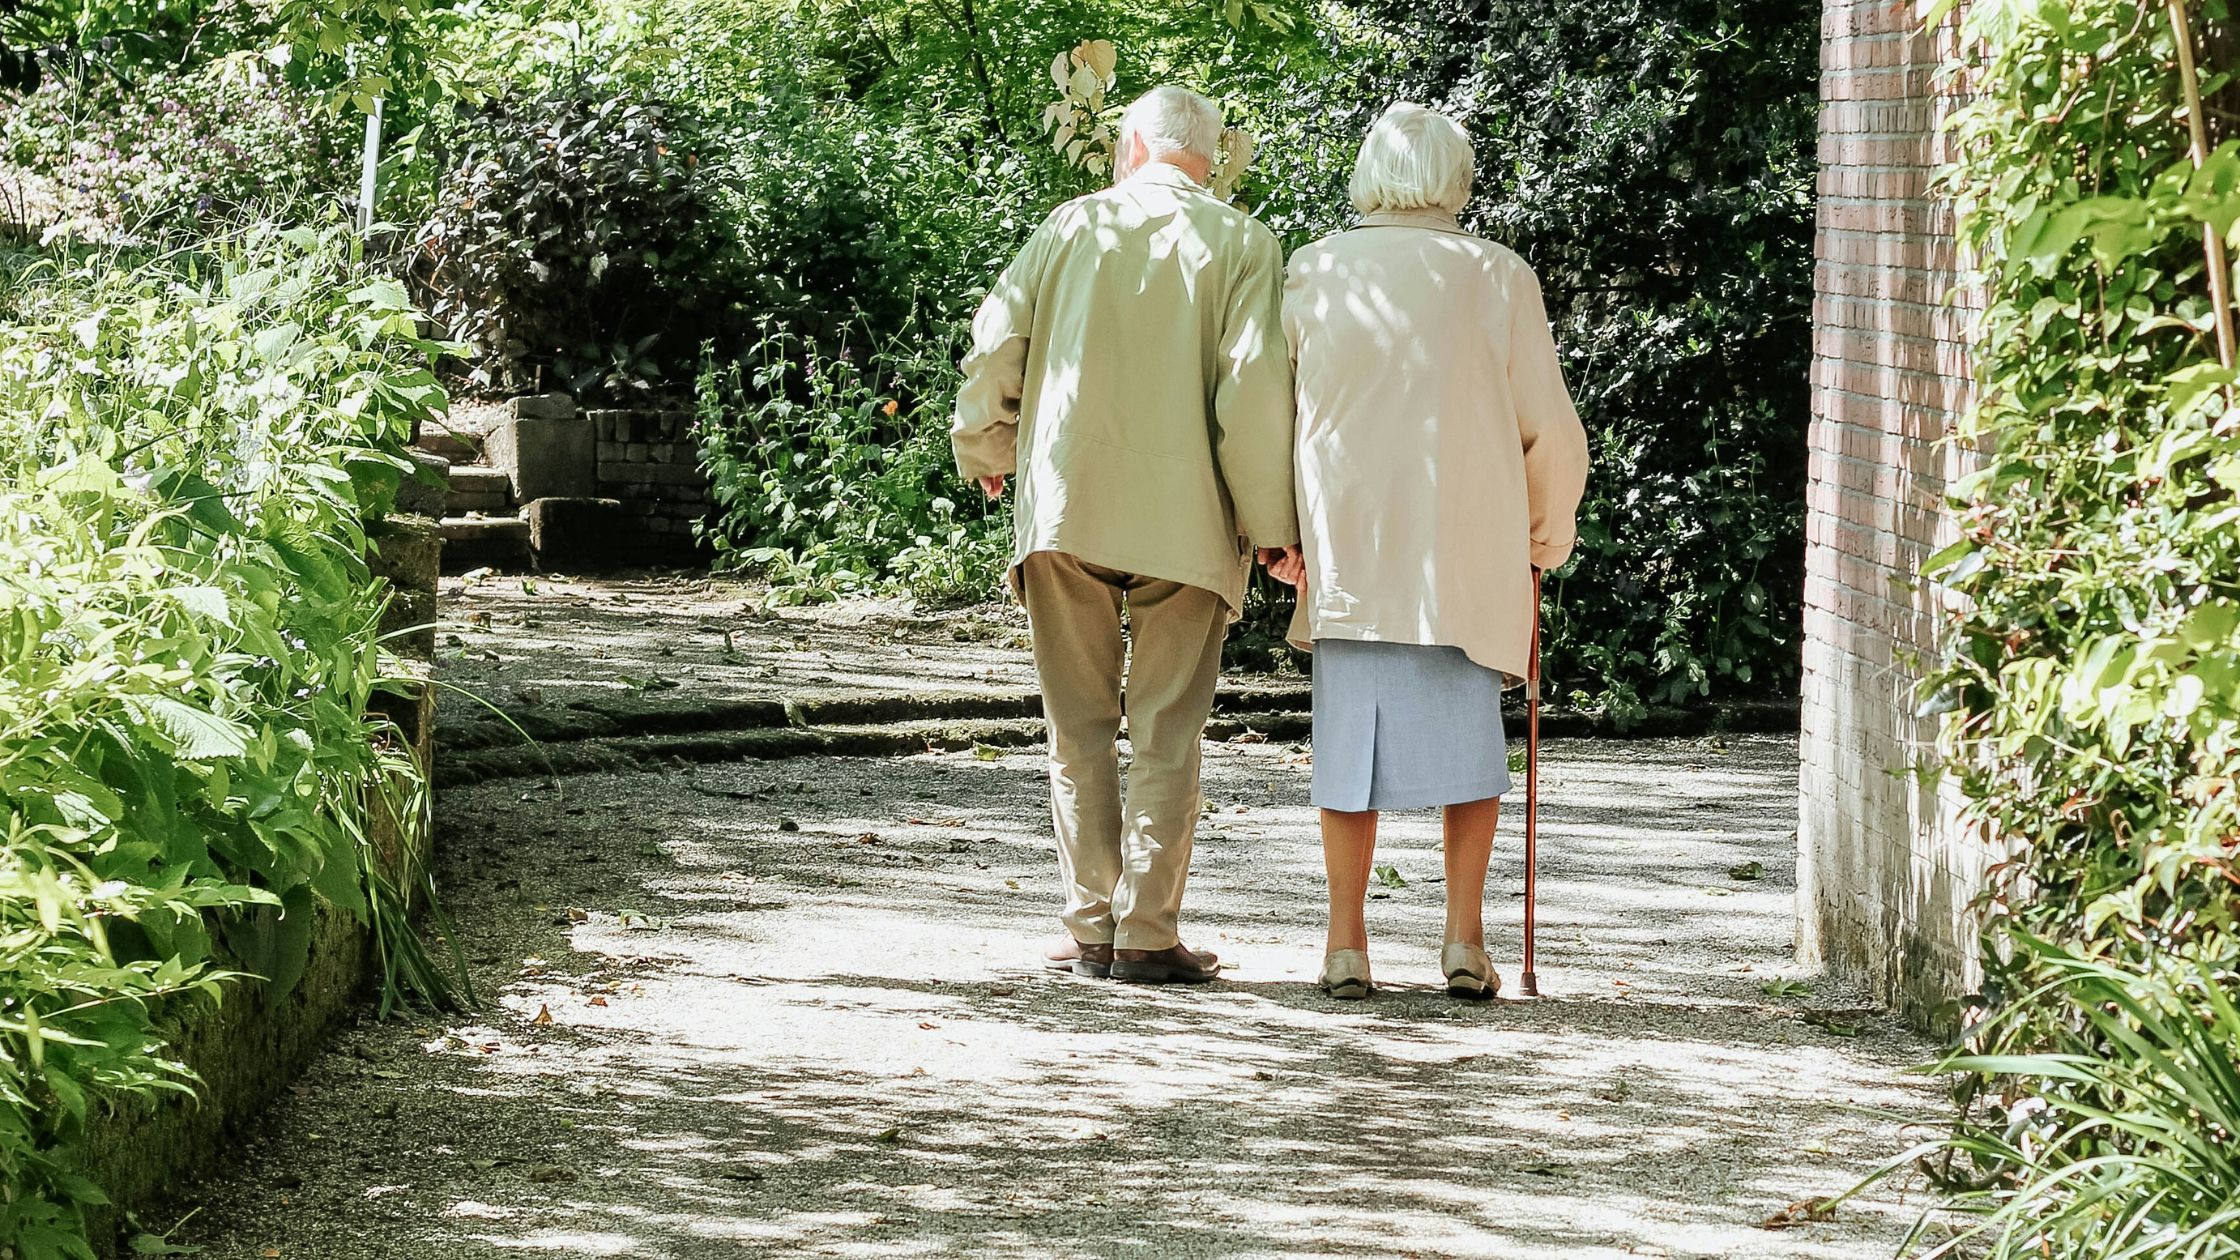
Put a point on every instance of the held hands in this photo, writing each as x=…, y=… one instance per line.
x=1285, y=564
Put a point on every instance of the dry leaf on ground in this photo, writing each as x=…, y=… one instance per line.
x=1801, y=1212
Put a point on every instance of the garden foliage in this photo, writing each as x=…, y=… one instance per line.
x=181, y=157
x=190, y=449
x=828, y=471
x=596, y=191
x=1655, y=166
x=2092, y=683
x=573, y=244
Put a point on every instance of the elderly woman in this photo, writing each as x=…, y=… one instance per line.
x=1440, y=463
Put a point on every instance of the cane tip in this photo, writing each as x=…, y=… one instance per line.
x=1529, y=984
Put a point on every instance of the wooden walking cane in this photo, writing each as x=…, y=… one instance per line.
x=1529, y=983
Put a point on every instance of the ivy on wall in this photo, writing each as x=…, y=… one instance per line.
x=2091, y=686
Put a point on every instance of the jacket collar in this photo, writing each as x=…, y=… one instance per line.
x=1165, y=173
x=1434, y=220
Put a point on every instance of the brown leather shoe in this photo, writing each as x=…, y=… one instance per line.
x=1093, y=961
x=1179, y=965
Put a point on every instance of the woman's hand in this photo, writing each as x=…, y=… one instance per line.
x=1285, y=564
x=992, y=487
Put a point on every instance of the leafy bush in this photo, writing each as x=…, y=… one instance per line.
x=851, y=220
x=173, y=156
x=834, y=476
x=573, y=242
x=2092, y=674
x=627, y=190
x=189, y=450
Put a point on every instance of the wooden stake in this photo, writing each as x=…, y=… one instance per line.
x=2220, y=267
x=1529, y=983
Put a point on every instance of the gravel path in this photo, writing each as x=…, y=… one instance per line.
x=790, y=1008
x=557, y=638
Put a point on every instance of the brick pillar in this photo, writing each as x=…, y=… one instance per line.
x=1884, y=871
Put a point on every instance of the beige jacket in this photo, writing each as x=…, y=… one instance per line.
x=1440, y=458
x=1129, y=367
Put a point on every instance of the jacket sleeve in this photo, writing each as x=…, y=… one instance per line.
x=1252, y=400
x=985, y=431
x=1555, y=443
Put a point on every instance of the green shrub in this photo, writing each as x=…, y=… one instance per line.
x=2091, y=681
x=573, y=242
x=626, y=190
x=189, y=449
x=833, y=475
x=170, y=157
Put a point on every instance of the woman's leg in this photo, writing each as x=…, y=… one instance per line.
x=1469, y=847
x=1349, y=845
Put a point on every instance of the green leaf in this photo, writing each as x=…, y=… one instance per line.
x=2211, y=625
x=1947, y=558
x=203, y=601
x=196, y=734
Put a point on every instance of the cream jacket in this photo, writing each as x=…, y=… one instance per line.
x=1129, y=368
x=1440, y=457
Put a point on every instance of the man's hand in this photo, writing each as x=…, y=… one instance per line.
x=992, y=487
x=1285, y=564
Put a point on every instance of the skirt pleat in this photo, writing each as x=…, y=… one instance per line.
x=1404, y=726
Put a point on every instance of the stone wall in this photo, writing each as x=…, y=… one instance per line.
x=1885, y=873
x=649, y=462
x=249, y=1047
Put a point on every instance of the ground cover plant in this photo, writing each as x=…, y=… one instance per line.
x=191, y=446
x=2092, y=684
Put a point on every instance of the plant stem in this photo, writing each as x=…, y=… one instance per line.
x=2220, y=269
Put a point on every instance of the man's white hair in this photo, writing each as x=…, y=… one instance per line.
x=1172, y=119
x=1413, y=159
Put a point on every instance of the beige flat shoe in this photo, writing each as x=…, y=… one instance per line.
x=1345, y=975
x=1469, y=972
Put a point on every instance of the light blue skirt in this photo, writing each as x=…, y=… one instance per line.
x=1404, y=726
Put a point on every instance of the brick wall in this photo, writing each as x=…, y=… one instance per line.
x=1885, y=872
x=648, y=461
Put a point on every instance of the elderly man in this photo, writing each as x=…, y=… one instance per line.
x=1129, y=367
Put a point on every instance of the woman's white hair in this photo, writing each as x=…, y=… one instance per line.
x=1171, y=119
x=1413, y=159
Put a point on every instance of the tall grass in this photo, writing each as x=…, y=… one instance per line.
x=2128, y=1153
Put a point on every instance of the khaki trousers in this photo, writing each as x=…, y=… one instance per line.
x=1123, y=865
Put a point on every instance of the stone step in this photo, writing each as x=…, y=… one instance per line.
x=476, y=488
x=450, y=445
x=485, y=542
x=425, y=490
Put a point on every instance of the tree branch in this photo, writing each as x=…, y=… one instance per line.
x=967, y=24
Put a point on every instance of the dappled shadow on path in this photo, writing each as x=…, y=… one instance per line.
x=792, y=1009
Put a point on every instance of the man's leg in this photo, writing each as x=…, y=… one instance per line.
x=1077, y=656
x=1175, y=660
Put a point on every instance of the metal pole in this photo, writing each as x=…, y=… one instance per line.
x=1529, y=983
x=369, y=166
